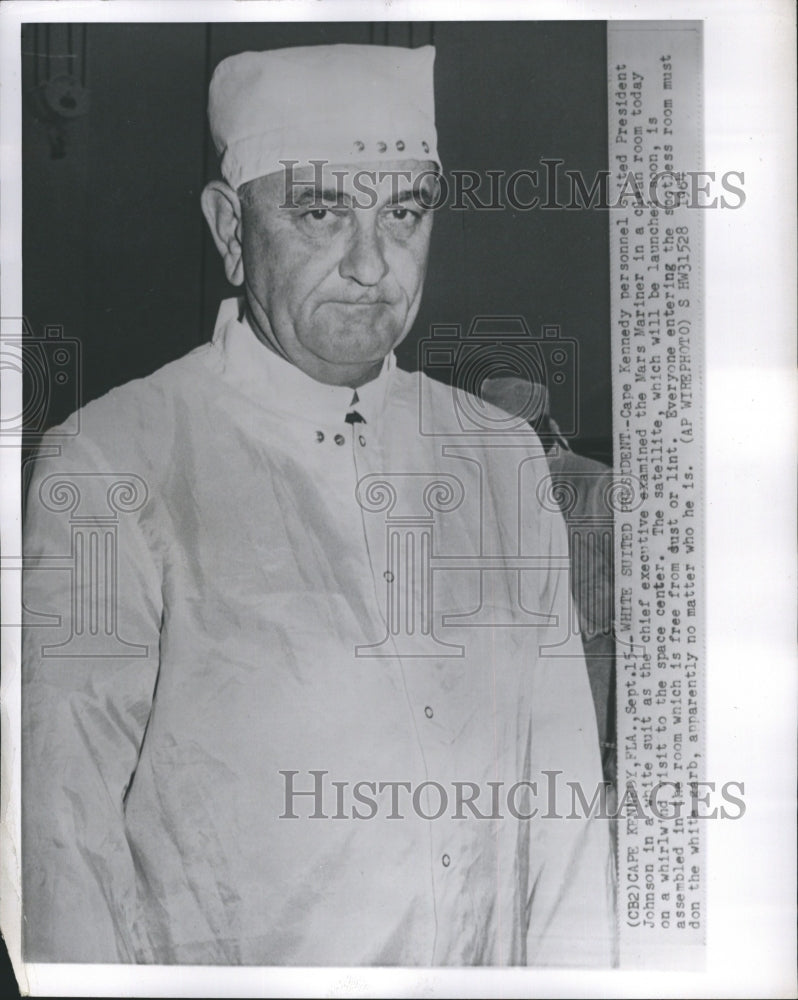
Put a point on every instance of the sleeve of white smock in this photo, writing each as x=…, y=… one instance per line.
x=92, y=598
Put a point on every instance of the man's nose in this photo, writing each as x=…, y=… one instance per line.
x=364, y=260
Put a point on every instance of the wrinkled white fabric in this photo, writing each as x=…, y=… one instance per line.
x=250, y=578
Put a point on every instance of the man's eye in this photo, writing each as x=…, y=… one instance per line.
x=406, y=216
x=403, y=214
x=321, y=221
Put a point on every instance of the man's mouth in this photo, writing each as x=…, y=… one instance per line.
x=358, y=303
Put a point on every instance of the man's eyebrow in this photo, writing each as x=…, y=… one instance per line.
x=409, y=194
x=310, y=194
x=418, y=194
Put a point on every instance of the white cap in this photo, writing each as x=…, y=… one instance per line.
x=338, y=103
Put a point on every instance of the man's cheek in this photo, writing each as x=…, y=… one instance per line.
x=409, y=272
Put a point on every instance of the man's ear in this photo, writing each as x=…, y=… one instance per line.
x=222, y=210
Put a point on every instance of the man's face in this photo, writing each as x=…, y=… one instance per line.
x=334, y=268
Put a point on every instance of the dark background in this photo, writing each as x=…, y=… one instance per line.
x=116, y=252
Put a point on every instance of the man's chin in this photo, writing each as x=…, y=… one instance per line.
x=358, y=344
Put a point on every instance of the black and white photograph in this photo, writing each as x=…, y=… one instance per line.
x=361, y=507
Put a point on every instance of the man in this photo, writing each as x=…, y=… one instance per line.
x=271, y=734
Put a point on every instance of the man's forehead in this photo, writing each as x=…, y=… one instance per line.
x=303, y=181
x=377, y=171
